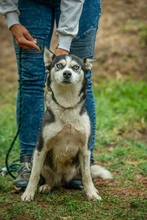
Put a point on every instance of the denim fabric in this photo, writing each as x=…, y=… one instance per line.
x=38, y=17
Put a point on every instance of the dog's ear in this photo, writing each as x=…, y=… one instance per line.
x=88, y=63
x=48, y=57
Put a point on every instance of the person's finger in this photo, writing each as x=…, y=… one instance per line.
x=47, y=71
x=30, y=38
x=23, y=42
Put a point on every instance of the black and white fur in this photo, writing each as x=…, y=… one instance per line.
x=62, y=149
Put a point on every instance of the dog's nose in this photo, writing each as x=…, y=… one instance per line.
x=67, y=74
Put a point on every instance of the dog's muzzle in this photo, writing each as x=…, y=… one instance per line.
x=66, y=76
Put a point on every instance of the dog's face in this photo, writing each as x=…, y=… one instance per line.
x=66, y=69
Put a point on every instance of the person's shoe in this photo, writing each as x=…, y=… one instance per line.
x=24, y=172
x=74, y=184
x=77, y=183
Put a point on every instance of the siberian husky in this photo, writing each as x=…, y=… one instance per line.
x=63, y=150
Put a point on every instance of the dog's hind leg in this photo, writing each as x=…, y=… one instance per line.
x=91, y=191
x=45, y=188
x=38, y=161
x=49, y=178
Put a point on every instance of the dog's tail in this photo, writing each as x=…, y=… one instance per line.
x=99, y=171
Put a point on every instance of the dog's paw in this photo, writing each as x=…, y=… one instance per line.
x=27, y=197
x=92, y=194
x=45, y=188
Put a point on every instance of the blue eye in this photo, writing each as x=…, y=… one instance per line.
x=59, y=65
x=75, y=67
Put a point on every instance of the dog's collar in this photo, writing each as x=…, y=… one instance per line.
x=55, y=100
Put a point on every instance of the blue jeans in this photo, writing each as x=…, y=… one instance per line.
x=38, y=17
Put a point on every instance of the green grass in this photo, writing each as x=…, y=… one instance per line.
x=121, y=146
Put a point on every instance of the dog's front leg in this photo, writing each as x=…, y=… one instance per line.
x=38, y=161
x=91, y=191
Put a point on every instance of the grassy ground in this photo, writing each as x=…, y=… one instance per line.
x=121, y=144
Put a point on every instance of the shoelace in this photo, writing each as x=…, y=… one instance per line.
x=25, y=168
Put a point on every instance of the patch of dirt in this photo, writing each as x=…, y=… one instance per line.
x=140, y=135
x=119, y=48
x=8, y=68
x=123, y=192
x=24, y=217
x=129, y=190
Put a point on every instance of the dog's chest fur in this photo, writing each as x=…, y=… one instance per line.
x=65, y=136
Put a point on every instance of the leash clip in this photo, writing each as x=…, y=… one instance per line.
x=4, y=171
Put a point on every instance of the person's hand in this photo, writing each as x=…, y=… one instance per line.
x=60, y=51
x=23, y=37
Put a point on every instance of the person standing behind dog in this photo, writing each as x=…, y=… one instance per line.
x=31, y=23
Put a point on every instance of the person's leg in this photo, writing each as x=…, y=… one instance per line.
x=38, y=18
x=83, y=46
